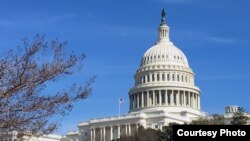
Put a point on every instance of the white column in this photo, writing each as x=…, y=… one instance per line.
x=190, y=101
x=197, y=101
x=138, y=95
x=111, y=133
x=134, y=102
x=137, y=126
x=142, y=99
x=184, y=98
x=199, y=104
x=172, y=97
x=177, y=98
x=126, y=130
x=129, y=129
x=94, y=135
x=148, y=102
x=104, y=134
x=194, y=97
x=101, y=133
x=193, y=102
x=91, y=134
x=118, y=131
x=185, y=104
x=153, y=98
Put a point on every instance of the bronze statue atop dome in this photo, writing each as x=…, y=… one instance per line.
x=163, y=17
x=163, y=13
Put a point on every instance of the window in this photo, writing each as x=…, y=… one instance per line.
x=168, y=77
x=158, y=77
x=182, y=78
x=178, y=77
x=173, y=78
x=163, y=77
x=148, y=78
x=153, y=77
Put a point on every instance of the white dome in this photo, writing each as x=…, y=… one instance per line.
x=164, y=53
x=164, y=79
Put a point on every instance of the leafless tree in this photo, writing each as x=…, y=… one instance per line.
x=25, y=104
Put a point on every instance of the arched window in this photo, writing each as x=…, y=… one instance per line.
x=168, y=77
x=148, y=78
x=153, y=77
x=178, y=77
x=173, y=78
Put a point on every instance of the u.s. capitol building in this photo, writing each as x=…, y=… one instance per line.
x=164, y=92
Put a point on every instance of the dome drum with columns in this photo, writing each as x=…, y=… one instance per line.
x=164, y=79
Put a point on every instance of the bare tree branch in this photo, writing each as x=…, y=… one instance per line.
x=24, y=75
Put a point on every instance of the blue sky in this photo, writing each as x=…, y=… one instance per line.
x=114, y=34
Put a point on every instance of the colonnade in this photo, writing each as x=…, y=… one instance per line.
x=108, y=133
x=153, y=98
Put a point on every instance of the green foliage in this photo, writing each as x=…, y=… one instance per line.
x=213, y=120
